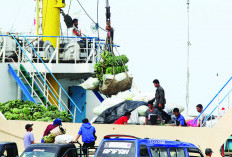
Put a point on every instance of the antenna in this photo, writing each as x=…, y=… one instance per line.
x=188, y=47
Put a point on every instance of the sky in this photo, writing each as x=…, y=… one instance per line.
x=153, y=34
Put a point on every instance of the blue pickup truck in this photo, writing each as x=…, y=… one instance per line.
x=130, y=146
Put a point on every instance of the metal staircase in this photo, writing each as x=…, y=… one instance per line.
x=218, y=106
x=21, y=84
x=35, y=85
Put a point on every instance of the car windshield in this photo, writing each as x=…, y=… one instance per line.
x=40, y=152
x=117, y=149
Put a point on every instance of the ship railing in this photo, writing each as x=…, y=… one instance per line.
x=56, y=95
x=68, y=49
x=217, y=107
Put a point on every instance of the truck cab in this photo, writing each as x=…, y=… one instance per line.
x=8, y=149
x=130, y=146
x=50, y=150
x=57, y=150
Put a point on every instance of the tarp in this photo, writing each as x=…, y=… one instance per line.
x=111, y=114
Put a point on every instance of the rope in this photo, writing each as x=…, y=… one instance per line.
x=188, y=46
x=90, y=16
x=120, y=58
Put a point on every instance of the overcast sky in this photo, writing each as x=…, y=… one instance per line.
x=153, y=34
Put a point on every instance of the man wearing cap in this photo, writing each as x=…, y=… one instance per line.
x=208, y=152
x=56, y=122
x=28, y=138
x=88, y=135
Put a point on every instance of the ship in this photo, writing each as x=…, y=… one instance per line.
x=47, y=69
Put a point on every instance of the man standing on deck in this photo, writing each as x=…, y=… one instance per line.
x=76, y=31
x=200, y=120
x=159, y=98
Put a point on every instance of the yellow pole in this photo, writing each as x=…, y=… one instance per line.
x=51, y=27
x=51, y=19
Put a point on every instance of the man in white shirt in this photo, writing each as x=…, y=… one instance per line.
x=28, y=138
x=201, y=119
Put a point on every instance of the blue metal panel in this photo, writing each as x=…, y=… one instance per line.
x=24, y=98
x=78, y=95
x=98, y=95
x=21, y=85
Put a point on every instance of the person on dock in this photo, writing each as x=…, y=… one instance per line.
x=180, y=120
x=28, y=137
x=124, y=119
x=208, y=152
x=159, y=98
x=87, y=131
x=57, y=122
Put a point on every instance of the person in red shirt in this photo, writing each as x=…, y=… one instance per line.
x=123, y=119
x=56, y=122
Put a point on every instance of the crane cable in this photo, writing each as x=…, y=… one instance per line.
x=188, y=47
x=89, y=16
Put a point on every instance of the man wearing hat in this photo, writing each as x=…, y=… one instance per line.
x=208, y=152
x=28, y=138
x=56, y=122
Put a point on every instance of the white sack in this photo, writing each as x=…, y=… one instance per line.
x=134, y=118
x=90, y=84
x=63, y=139
x=141, y=120
x=144, y=97
x=142, y=110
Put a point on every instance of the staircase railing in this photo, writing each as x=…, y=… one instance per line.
x=45, y=92
x=210, y=110
x=52, y=75
x=63, y=105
